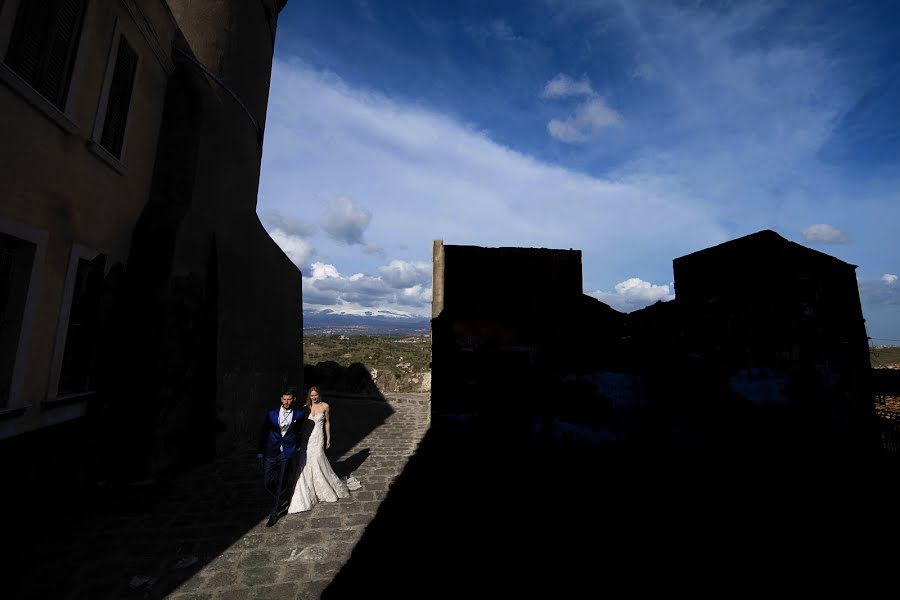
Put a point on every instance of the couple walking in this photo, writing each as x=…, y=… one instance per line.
x=292, y=447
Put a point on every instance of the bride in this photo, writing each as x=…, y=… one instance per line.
x=317, y=481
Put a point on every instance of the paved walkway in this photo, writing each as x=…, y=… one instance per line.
x=299, y=556
x=204, y=535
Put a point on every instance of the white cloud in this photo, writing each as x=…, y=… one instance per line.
x=432, y=177
x=299, y=250
x=345, y=221
x=633, y=294
x=288, y=225
x=502, y=30
x=417, y=295
x=826, y=234
x=324, y=271
x=879, y=292
x=404, y=274
x=399, y=289
x=375, y=250
x=565, y=131
x=562, y=85
x=590, y=119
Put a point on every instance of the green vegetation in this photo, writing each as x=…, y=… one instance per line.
x=410, y=354
x=413, y=353
x=881, y=357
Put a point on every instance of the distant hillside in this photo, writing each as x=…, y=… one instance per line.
x=399, y=354
x=328, y=322
x=393, y=363
x=885, y=355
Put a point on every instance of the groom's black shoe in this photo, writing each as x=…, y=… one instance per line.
x=272, y=520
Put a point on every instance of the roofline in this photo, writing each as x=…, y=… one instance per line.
x=507, y=247
x=763, y=232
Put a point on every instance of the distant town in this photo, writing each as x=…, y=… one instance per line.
x=331, y=323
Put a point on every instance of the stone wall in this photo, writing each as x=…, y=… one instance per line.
x=408, y=382
x=356, y=378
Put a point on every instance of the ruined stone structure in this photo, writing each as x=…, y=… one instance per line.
x=763, y=348
x=140, y=292
x=507, y=322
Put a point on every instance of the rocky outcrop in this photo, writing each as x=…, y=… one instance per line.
x=407, y=382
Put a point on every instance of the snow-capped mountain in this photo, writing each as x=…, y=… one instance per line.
x=371, y=322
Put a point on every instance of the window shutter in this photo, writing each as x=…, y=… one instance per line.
x=61, y=53
x=43, y=43
x=119, y=98
x=29, y=38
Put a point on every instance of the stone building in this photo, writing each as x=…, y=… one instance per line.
x=146, y=317
x=782, y=328
x=507, y=322
x=763, y=348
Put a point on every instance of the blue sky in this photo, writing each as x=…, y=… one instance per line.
x=634, y=131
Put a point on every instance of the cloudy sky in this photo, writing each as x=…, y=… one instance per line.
x=634, y=131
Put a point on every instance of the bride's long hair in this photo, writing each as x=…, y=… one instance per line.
x=314, y=388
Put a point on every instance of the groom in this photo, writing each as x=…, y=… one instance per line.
x=282, y=448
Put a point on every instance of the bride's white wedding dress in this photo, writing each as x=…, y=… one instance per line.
x=317, y=482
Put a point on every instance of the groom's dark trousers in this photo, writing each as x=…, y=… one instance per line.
x=283, y=454
x=279, y=475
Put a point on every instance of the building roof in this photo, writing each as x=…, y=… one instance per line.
x=765, y=240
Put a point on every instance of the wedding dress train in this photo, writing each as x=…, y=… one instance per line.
x=317, y=481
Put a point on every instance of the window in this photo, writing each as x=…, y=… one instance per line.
x=43, y=44
x=16, y=260
x=119, y=99
x=79, y=356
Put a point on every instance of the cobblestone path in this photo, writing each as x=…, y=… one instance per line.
x=204, y=537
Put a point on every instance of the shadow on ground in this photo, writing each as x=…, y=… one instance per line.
x=481, y=514
x=353, y=418
x=143, y=541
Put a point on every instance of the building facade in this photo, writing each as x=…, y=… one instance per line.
x=140, y=293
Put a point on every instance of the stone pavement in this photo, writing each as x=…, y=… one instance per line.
x=204, y=537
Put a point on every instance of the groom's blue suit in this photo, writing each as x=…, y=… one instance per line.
x=271, y=441
x=282, y=453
